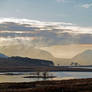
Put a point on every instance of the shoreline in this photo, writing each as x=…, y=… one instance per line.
x=44, y=68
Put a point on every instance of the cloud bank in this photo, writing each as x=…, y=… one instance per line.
x=40, y=34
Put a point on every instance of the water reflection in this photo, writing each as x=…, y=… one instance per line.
x=19, y=76
x=72, y=75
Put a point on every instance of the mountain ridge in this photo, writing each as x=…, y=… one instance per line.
x=17, y=61
x=84, y=58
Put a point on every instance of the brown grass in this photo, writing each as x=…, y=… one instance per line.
x=74, y=85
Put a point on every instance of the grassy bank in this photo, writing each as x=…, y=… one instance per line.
x=74, y=85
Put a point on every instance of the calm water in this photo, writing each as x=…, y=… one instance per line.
x=82, y=67
x=72, y=75
x=60, y=76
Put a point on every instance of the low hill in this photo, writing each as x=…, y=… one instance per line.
x=23, y=61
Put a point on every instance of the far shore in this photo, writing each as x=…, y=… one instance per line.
x=45, y=68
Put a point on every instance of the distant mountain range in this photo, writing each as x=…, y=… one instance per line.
x=84, y=58
x=31, y=52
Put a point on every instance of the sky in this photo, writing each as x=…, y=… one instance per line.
x=61, y=27
x=75, y=11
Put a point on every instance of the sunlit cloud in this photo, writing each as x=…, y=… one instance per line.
x=16, y=40
x=87, y=5
x=32, y=22
x=41, y=33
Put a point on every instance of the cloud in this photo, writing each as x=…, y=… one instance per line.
x=38, y=33
x=32, y=22
x=60, y=0
x=6, y=41
x=86, y=5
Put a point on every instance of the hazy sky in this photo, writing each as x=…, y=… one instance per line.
x=76, y=11
x=53, y=25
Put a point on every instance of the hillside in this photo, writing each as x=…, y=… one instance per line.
x=3, y=56
x=84, y=58
x=23, y=62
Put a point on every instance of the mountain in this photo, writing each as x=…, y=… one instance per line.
x=25, y=51
x=31, y=52
x=84, y=58
x=3, y=56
